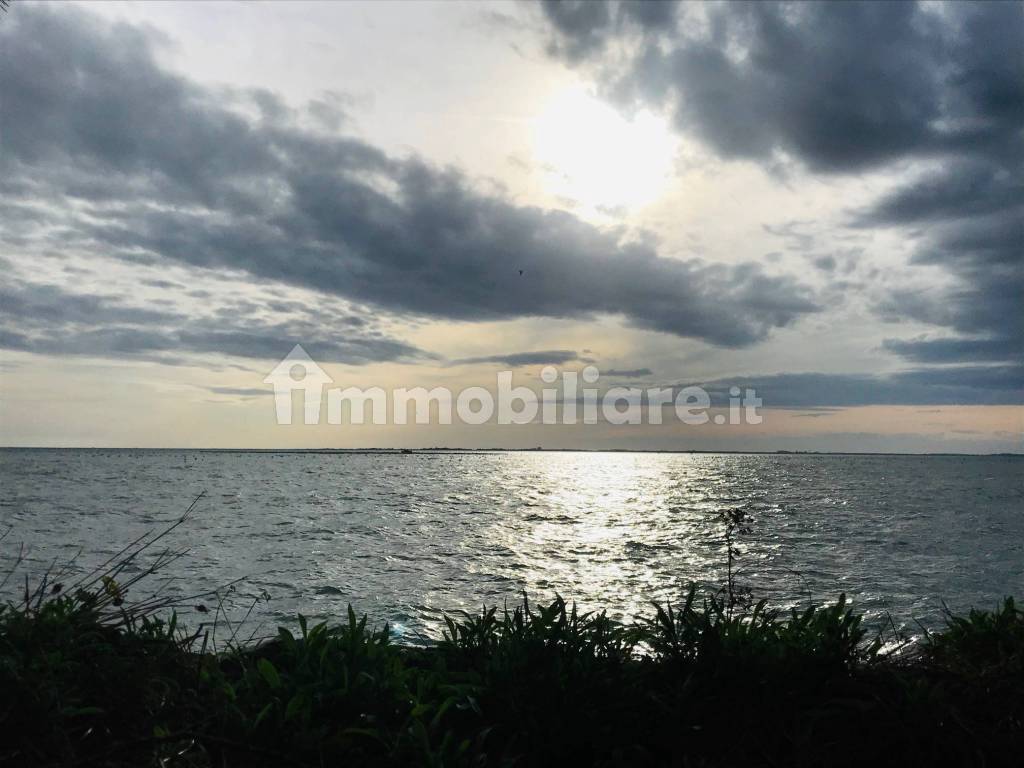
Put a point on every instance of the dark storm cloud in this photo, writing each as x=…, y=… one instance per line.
x=545, y=357
x=843, y=87
x=838, y=85
x=45, y=319
x=170, y=171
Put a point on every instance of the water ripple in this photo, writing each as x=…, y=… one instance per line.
x=407, y=537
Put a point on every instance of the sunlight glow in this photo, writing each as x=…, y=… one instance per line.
x=598, y=158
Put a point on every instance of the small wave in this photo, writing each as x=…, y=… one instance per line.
x=328, y=590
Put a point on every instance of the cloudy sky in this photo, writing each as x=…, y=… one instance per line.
x=825, y=202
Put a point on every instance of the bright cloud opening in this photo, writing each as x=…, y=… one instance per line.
x=597, y=157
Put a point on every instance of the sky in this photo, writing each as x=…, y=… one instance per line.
x=820, y=201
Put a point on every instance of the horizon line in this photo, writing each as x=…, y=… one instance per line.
x=496, y=449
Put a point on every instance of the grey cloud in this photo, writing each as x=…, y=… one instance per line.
x=659, y=15
x=162, y=284
x=995, y=378
x=268, y=343
x=545, y=357
x=840, y=86
x=843, y=87
x=35, y=302
x=329, y=110
x=975, y=231
x=961, y=385
x=827, y=392
x=584, y=27
x=797, y=240
x=45, y=319
x=954, y=350
x=627, y=373
x=241, y=391
x=964, y=188
x=172, y=174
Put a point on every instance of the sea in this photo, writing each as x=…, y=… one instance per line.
x=407, y=538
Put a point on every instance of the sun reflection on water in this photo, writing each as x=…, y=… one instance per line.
x=609, y=524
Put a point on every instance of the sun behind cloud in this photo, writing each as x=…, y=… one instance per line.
x=598, y=158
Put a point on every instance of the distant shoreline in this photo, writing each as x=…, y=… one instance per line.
x=474, y=451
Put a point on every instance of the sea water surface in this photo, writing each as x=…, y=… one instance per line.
x=407, y=537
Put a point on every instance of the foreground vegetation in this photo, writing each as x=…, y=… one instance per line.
x=84, y=682
x=89, y=677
